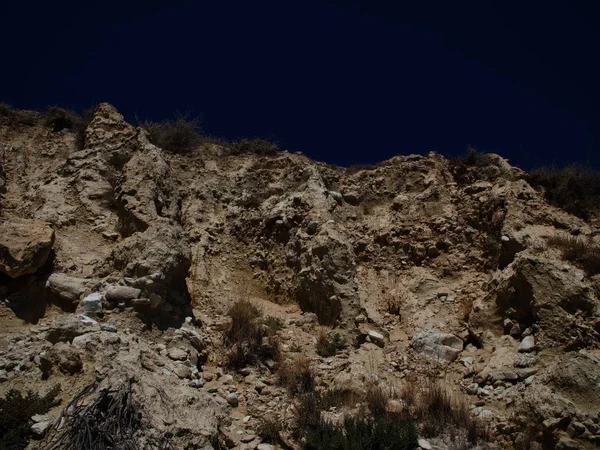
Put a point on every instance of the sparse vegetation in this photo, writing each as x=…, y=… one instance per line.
x=15, y=117
x=16, y=411
x=180, y=135
x=257, y=146
x=328, y=344
x=59, y=119
x=575, y=188
x=245, y=338
x=583, y=252
x=297, y=375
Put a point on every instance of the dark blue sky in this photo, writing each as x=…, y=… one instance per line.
x=342, y=81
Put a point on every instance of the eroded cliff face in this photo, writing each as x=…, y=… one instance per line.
x=428, y=268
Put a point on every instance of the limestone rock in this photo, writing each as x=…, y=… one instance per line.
x=63, y=356
x=24, y=246
x=67, y=327
x=442, y=347
x=122, y=293
x=91, y=303
x=67, y=287
x=527, y=344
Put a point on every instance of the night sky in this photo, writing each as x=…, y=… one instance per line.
x=344, y=82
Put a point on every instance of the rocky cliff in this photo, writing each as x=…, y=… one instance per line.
x=119, y=263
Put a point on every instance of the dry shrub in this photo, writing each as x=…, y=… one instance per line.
x=244, y=323
x=15, y=117
x=585, y=253
x=297, y=375
x=440, y=411
x=180, y=135
x=257, y=146
x=245, y=338
x=59, y=119
x=377, y=400
x=109, y=421
x=575, y=188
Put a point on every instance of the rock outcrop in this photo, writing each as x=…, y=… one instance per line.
x=24, y=246
x=413, y=270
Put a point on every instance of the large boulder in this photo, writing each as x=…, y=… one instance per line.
x=441, y=347
x=539, y=291
x=24, y=246
x=67, y=287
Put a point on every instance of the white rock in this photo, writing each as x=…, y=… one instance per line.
x=442, y=347
x=527, y=344
x=376, y=337
x=232, y=399
x=425, y=445
x=91, y=303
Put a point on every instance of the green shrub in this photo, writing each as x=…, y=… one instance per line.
x=257, y=146
x=575, y=188
x=273, y=324
x=15, y=416
x=180, y=135
x=329, y=344
x=582, y=252
x=360, y=433
x=269, y=431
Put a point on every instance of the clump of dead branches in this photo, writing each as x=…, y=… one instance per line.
x=107, y=420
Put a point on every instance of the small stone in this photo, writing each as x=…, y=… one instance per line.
x=505, y=239
x=177, y=354
x=472, y=389
x=265, y=447
x=376, y=338
x=196, y=383
x=40, y=428
x=579, y=276
x=425, y=445
x=226, y=379
x=527, y=344
x=182, y=371
x=122, y=293
x=232, y=399
x=579, y=427
x=360, y=318
x=91, y=303
x=312, y=227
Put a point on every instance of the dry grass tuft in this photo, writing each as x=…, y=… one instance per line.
x=575, y=188
x=245, y=338
x=377, y=400
x=585, y=253
x=297, y=375
x=257, y=146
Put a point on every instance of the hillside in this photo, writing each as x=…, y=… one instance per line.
x=125, y=269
